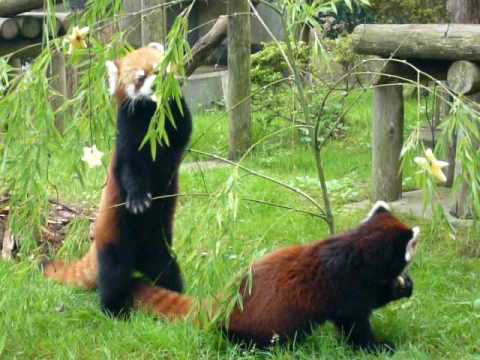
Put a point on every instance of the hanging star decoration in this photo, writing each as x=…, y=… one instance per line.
x=92, y=156
x=433, y=166
x=77, y=39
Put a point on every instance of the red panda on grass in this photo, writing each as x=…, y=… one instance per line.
x=292, y=290
x=136, y=236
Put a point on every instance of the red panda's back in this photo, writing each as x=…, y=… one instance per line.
x=281, y=297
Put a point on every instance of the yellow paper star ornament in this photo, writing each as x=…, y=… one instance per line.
x=77, y=39
x=432, y=165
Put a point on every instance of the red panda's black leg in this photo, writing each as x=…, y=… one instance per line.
x=159, y=264
x=133, y=180
x=358, y=333
x=157, y=260
x=115, y=279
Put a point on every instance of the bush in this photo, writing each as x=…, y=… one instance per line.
x=409, y=11
x=269, y=65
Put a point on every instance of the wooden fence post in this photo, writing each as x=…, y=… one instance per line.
x=238, y=94
x=387, y=141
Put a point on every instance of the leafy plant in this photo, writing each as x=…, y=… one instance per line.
x=34, y=138
x=269, y=66
x=409, y=11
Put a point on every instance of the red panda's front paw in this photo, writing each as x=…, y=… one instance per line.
x=137, y=203
x=402, y=287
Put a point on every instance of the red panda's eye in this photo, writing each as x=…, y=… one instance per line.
x=141, y=78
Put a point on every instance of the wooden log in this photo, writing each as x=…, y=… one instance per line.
x=14, y=7
x=238, y=94
x=464, y=77
x=207, y=43
x=63, y=19
x=387, y=142
x=8, y=243
x=8, y=28
x=30, y=27
x=428, y=41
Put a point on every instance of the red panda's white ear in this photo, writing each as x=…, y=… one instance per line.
x=157, y=46
x=378, y=207
x=112, y=70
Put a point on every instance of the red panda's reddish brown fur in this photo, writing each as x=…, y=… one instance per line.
x=134, y=227
x=83, y=273
x=341, y=279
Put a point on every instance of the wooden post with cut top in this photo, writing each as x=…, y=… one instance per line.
x=413, y=52
x=238, y=93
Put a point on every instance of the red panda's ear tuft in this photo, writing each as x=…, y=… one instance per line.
x=378, y=208
x=156, y=46
x=112, y=70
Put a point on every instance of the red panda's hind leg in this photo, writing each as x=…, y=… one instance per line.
x=116, y=283
x=159, y=265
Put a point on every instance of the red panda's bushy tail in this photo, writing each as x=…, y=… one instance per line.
x=163, y=302
x=172, y=305
x=81, y=273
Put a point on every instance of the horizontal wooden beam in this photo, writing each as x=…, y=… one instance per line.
x=427, y=41
x=14, y=7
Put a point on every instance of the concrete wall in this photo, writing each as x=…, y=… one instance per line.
x=204, y=91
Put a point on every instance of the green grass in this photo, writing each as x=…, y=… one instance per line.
x=215, y=240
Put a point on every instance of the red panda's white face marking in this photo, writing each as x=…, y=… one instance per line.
x=412, y=245
x=132, y=77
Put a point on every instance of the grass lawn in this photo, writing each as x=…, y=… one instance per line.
x=216, y=238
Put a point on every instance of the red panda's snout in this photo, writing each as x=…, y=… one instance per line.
x=142, y=86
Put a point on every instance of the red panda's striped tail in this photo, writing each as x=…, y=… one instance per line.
x=81, y=274
x=163, y=302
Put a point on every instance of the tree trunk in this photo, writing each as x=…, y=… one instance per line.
x=238, y=94
x=154, y=22
x=464, y=11
x=132, y=22
x=58, y=82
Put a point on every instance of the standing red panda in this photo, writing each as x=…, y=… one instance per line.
x=137, y=236
x=293, y=290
